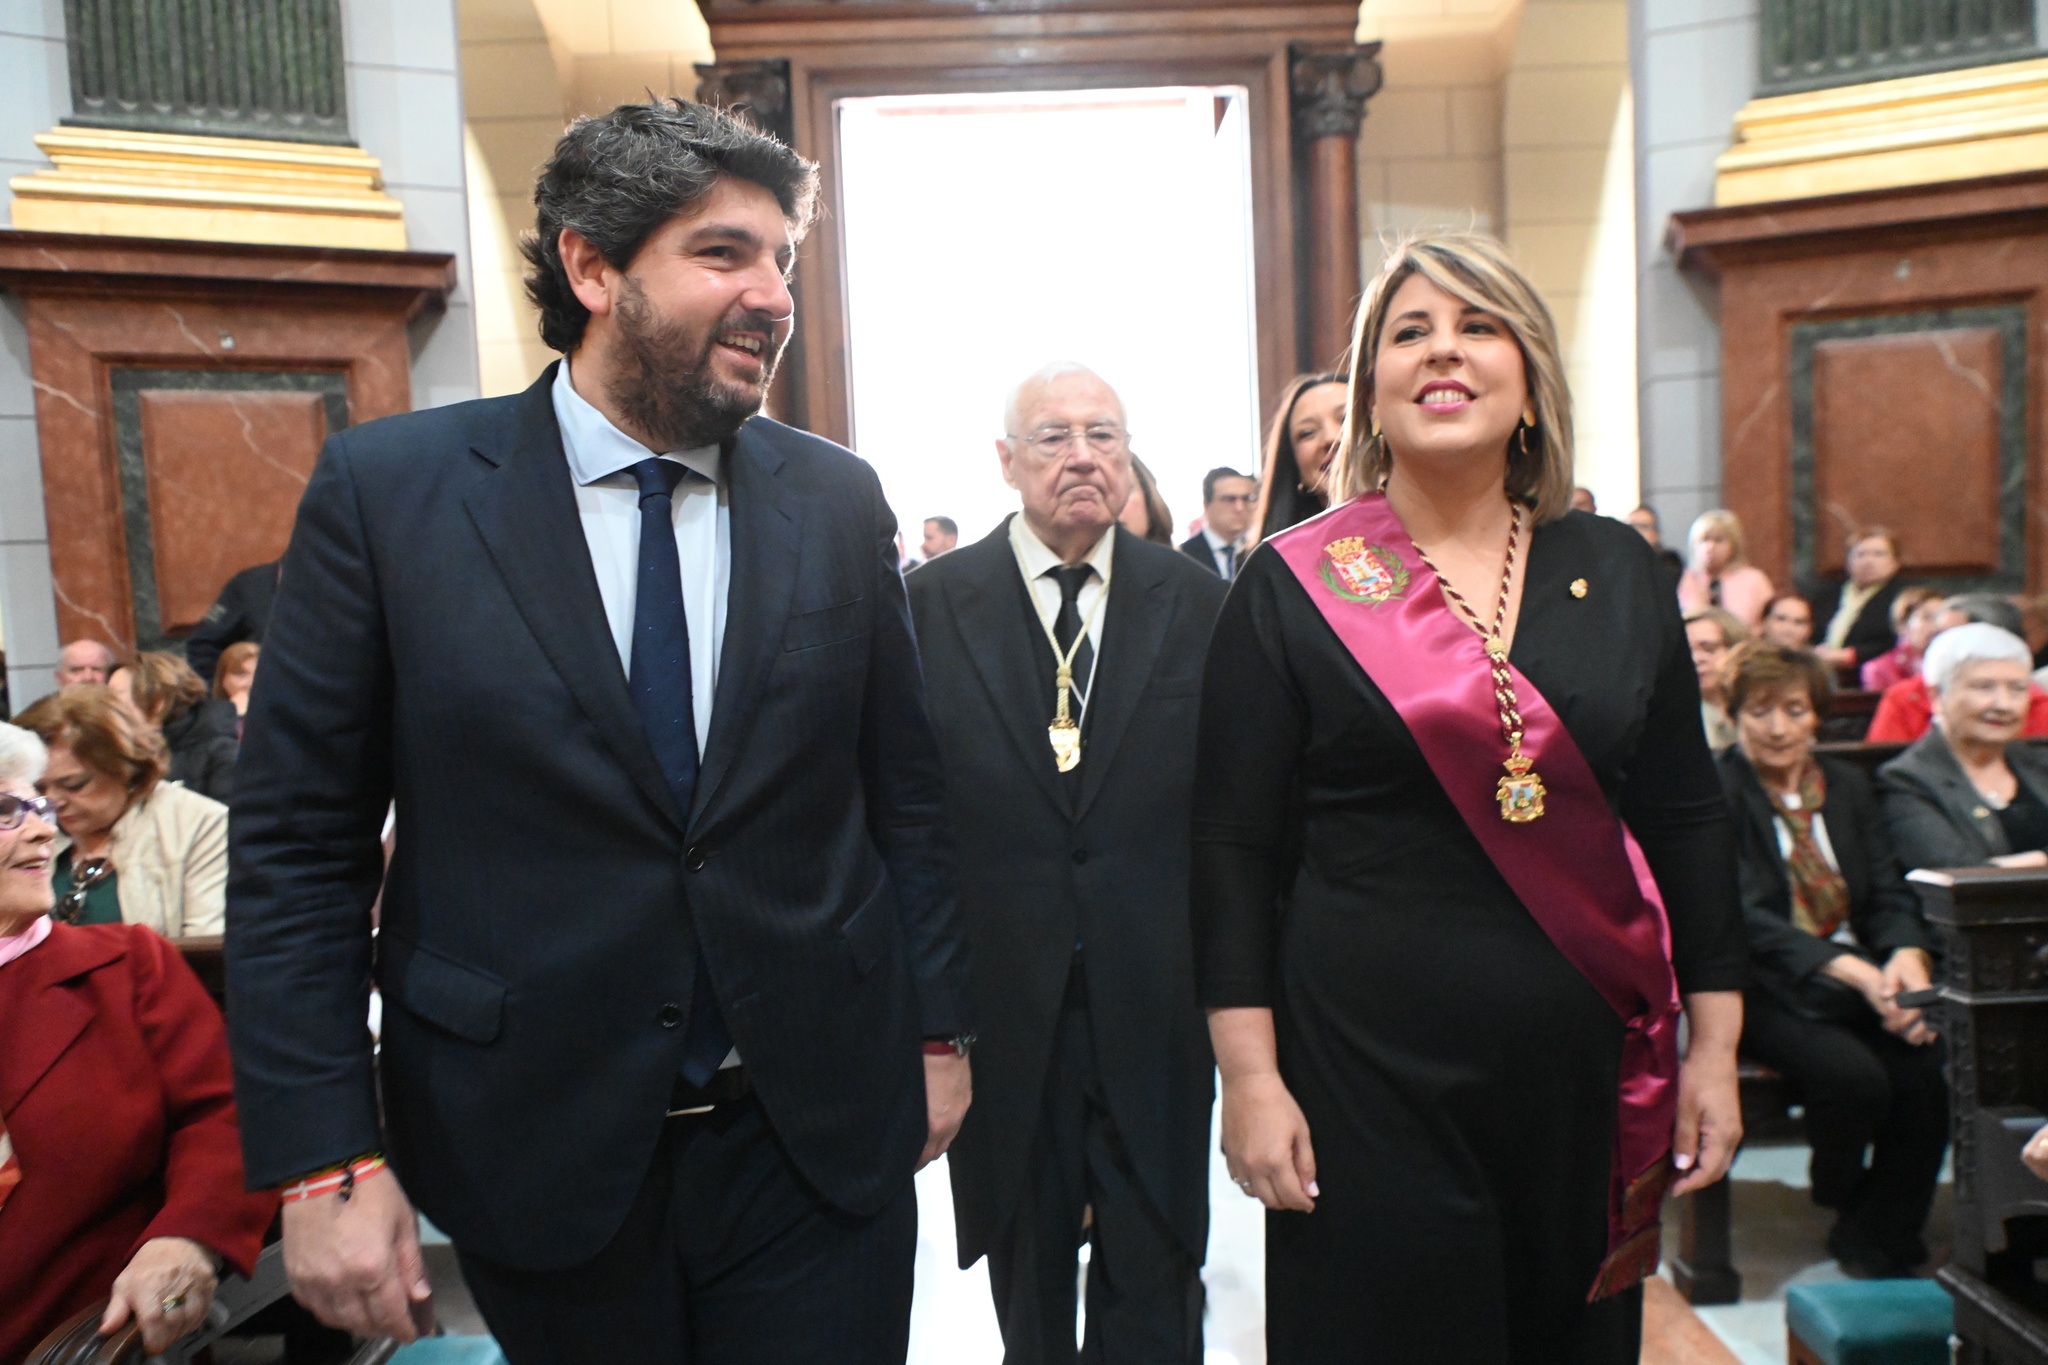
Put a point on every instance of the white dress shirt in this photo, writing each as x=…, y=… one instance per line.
x=608, y=501
x=1036, y=561
x=1217, y=545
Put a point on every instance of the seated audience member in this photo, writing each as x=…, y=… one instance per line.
x=1145, y=514
x=1299, y=447
x=1718, y=575
x=1227, y=498
x=1584, y=501
x=120, y=1165
x=940, y=535
x=1859, y=618
x=1788, y=622
x=1965, y=794
x=1916, y=614
x=84, y=661
x=234, y=676
x=1907, y=706
x=1712, y=633
x=242, y=612
x=1651, y=528
x=201, y=733
x=133, y=847
x=1835, y=934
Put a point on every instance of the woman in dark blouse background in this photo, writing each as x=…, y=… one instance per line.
x=1299, y=447
x=1417, y=1082
x=1835, y=937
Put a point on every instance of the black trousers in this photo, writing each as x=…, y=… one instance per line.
x=727, y=1258
x=1863, y=1088
x=1144, y=1294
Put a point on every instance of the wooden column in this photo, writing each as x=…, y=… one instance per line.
x=1331, y=86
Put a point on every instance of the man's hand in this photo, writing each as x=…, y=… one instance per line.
x=948, y=1090
x=167, y=1288
x=357, y=1265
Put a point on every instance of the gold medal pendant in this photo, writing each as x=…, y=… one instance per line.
x=1521, y=791
x=1066, y=744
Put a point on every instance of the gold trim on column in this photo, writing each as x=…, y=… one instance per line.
x=1918, y=130
x=220, y=189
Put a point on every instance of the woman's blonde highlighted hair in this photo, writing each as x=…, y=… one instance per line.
x=1474, y=269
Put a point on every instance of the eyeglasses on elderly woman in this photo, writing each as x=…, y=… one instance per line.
x=15, y=809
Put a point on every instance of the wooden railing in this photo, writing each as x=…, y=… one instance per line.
x=1813, y=44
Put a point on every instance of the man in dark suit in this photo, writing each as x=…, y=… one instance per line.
x=1228, y=498
x=1070, y=789
x=673, y=901
x=241, y=612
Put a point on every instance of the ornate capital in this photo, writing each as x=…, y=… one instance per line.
x=758, y=90
x=1332, y=82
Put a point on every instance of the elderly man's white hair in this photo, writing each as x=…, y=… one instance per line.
x=1013, y=410
x=22, y=755
x=1974, y=643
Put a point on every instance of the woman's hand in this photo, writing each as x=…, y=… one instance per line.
x=1908, y=969
x=2035, y=1153
x=167, y=1288
x=1709, y=1126
x=1876, y=986
x=1265, y=1135
x=1266, y=1143
x=2031, y=858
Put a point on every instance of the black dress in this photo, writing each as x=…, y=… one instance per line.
x=1458, y=1075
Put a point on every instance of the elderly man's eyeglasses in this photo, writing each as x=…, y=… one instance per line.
x=1103, y=440
x=15, y=809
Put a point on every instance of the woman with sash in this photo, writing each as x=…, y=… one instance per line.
x=1461, y=858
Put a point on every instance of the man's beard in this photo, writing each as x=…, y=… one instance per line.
x=664, y=384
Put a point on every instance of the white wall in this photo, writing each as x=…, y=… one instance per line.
x=405, y=107
x=35, y=91
x=1694, y=64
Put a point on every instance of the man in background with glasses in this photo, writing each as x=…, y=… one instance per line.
x=1227, y=498
x=1062, y=657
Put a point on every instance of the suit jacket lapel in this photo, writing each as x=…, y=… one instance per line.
x=1964, y=803
x=993, y=613
x=1133, y=627
x=526, y=513
x=767, y=546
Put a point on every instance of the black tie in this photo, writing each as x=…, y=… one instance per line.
x=1066, y=627
x=659, y=676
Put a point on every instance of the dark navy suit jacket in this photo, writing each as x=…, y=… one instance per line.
x=439, y=640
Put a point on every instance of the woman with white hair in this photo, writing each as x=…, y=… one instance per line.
x=120, y=1161
x=1965, y=793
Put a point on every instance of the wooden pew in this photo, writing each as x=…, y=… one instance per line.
x=1993, y=1010
x=1848, y=715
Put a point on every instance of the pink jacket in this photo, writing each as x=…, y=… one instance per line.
x=1745, y=592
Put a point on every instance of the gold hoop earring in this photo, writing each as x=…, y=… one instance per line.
x=1522, y=436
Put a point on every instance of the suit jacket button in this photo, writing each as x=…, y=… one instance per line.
x=670, y=1015
x=693, y=858
x=1080, y=855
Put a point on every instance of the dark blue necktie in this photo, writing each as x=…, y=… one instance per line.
x=660, y=679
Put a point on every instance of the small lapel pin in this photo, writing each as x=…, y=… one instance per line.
x=1578, y=587
x=1981, y=813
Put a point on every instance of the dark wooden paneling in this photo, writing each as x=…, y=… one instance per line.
x=225, y=472
x=1906, y=436
x=1789, y=271
x=101, y=307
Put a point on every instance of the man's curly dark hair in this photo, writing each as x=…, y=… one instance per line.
x=617, y=177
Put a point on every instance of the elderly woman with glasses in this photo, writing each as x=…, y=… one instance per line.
x=1835, y=936
x=1967, y=793
x=133, y=846
x=120, y=1163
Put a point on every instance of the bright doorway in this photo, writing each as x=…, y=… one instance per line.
x=989, y=234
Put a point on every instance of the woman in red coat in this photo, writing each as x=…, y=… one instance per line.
x=120, y=1164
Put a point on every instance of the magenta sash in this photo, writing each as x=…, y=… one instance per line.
x=1577, y=869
